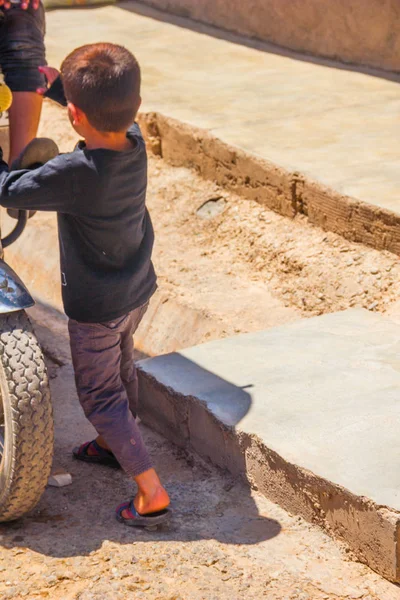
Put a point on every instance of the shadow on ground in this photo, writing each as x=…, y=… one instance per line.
x=77, y=519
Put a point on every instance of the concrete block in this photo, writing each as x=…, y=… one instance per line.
x=308, y=412
x=163, y=411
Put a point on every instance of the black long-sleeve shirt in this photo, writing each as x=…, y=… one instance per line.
x=105, y=232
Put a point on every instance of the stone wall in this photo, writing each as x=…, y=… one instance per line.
x=364, y=32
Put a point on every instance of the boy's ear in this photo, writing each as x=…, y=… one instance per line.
x=138, y=105
x=75, y=114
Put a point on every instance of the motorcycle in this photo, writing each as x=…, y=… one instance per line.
x=26, y=417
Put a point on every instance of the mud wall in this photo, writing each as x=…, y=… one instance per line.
x=364, y=32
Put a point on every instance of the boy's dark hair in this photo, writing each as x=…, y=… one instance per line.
x=103, y=80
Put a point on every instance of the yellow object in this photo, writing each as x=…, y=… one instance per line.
x=5, y=95
x=66, y=3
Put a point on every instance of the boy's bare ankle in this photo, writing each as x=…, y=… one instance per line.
x=155, y=502
x=151, y=496
x=102, y=443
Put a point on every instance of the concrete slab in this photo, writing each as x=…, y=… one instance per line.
x=309, y=412
x=336, y=126
x=358, y=31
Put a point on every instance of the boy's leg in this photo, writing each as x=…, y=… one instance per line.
x=128, y=369
x=96, y=355
x=22, y=51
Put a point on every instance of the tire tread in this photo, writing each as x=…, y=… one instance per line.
x=24, y=375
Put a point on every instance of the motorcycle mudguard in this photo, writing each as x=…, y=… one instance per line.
x=13, y=293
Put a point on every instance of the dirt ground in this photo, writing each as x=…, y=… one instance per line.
x=255, y=259
x=246, y=265
x=225, y=542
x=252, y=269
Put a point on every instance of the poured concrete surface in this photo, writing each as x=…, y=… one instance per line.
x=309, y=411
x=324, y=393
x=338, y=127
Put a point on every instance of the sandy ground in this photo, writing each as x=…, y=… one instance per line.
x=247, y=252
x=224, y=543
x=244, y=264
x=253, y=269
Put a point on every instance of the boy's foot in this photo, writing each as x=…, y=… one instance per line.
x=151, y=502
x=91, y=452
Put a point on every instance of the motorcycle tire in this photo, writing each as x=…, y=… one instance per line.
x=26, y=418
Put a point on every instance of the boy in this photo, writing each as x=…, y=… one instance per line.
x=106, y=239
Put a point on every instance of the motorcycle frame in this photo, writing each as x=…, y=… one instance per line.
x=14, y=294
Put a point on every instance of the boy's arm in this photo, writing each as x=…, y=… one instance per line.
x=46, y=188
x=55, y=88
x=56, y=92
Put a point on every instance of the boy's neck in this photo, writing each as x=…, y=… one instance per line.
x=109, y=141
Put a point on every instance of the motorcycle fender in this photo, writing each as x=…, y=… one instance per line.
x=13, y=293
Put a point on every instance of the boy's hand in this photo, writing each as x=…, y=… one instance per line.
x=24, y=4
x=51, y=75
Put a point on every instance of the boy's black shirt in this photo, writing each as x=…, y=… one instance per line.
x=105, y=232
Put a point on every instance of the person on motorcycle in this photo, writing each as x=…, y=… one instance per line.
x=22, y=51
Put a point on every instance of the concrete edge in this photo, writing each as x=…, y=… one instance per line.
x=254, y=178
x=371, y=531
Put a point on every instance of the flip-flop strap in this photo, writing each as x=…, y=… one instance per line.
x=99, y=451
x=133, y=510
x=130, y=507
x=83, y=449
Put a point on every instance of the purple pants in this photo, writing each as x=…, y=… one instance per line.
x=107, y=385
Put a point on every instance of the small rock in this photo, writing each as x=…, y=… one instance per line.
x=60, y=480
x=51, y=580
x=374, y=271
x=372, y=306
